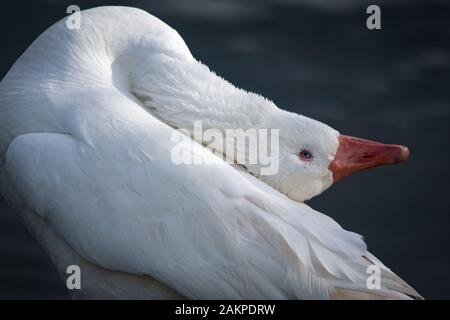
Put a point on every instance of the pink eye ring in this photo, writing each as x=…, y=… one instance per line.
x=305, y=155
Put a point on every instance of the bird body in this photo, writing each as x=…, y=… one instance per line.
x=87, y=121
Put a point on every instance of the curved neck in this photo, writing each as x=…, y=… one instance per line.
x=229, y=121
x=183, y=91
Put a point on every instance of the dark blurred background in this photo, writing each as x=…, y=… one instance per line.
x=314, y=57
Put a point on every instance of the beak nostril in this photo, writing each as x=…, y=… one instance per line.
x=366, y=155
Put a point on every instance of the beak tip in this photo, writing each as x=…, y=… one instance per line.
x=404, y=154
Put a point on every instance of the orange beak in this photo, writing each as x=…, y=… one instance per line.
x=355, y=154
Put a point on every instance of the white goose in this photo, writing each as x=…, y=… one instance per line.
x=86, y=118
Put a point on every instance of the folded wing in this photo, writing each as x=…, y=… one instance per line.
x=109, y=187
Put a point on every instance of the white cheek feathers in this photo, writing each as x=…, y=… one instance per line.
x=309, y=187
x=299, y=182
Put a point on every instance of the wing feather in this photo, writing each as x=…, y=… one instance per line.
x=110, y=189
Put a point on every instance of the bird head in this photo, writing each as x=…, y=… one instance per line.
x=313, y=156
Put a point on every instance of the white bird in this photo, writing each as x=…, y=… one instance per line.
x=86, y=132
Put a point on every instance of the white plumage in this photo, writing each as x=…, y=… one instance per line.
x=86, y=118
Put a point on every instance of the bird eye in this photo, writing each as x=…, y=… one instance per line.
x=305, y=155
